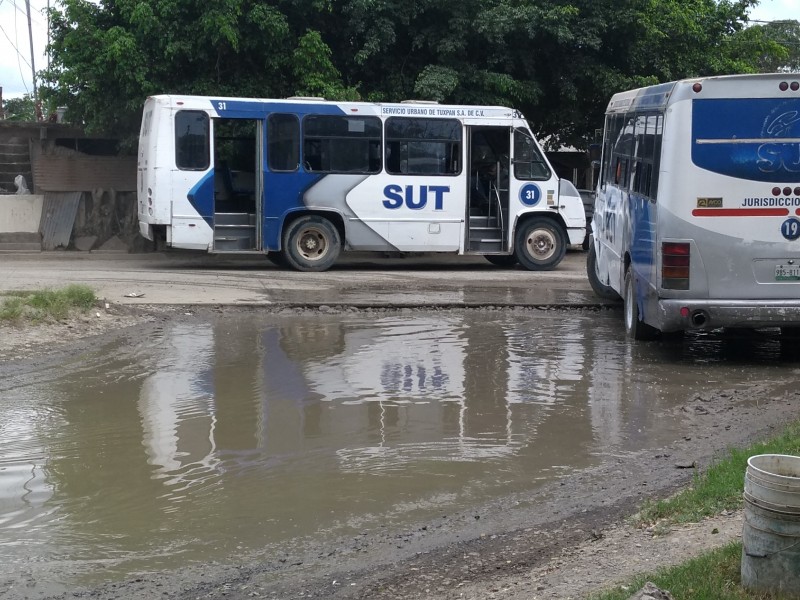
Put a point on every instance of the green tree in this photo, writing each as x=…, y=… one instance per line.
x=107, y=58
x=558, y=61
x=778, y=44
x=20, y=109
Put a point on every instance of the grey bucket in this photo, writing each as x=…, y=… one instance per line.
x=771, y=531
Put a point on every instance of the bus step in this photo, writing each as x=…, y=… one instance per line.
x=234, y=242
x=485, y=234
x=482, y=222
x=247, y=219
x=233, y=226
x=486, y=246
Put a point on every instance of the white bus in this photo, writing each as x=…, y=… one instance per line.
x=697, y=216
x=302, y=179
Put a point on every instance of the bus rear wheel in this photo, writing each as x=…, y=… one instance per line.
x=634, y=327
x=540, y=244
x=598, y=287
x=311, y=243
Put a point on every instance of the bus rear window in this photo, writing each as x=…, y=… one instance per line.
x=747, y=138
x=192, y=134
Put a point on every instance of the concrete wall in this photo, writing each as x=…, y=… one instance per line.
x=20, y=213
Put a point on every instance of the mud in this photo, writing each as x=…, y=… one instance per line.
x=565, y=541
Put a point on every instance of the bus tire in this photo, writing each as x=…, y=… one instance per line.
x=540, y=244
x=635, y=328
x=505, y=261
x=311, y=243
x=598, y=287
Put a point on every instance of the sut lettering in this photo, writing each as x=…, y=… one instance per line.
x=414, y=197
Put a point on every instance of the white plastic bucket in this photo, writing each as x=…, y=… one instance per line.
x=771, y=531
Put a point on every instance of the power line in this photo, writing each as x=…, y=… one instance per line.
x=772, y=21
x=19, y=55
x=10, y=41
x=24, y=14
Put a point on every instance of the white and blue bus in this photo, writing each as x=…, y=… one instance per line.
x=302, y=179
x=697, y=215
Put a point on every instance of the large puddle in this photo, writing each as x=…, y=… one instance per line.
x=214, y=439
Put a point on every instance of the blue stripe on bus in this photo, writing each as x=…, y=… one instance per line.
x=258, y=109
x=643, y=231
x=743, y=138
x=201, y=197
x=284, y=193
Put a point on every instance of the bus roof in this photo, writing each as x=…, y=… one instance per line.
x=658, y=96
x=404, y=108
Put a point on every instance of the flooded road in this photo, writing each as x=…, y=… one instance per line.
x=239, y=436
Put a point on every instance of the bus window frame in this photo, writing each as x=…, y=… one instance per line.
x=523, y=133
x=296, y=139
x=373, y=144
x=634, y=161
x=206, y=119
x=451, y=147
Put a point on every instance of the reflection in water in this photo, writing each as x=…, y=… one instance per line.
x=177, y=409
x=244, y=433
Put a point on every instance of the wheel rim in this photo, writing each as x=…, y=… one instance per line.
x=312, y=244
x=541, y=244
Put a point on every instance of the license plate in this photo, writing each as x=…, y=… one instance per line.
x=787, y=273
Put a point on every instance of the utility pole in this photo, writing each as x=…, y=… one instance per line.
x=33, y=65
x=48, y=35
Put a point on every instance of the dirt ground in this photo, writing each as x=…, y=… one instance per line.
x=569, y=540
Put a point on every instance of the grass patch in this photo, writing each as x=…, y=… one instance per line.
x=46, y=305
x=715, y=575
x=720, y=487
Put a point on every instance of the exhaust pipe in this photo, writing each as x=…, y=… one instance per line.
x=699, y=318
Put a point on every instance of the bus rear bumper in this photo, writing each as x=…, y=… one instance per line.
x=146, y=230
x=679, y=315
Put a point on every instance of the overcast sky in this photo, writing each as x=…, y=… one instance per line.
x=15, y=54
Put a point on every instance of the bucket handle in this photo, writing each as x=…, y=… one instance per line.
x=768, y=554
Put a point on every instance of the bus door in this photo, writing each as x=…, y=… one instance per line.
x=238, y=184
x=488, y=195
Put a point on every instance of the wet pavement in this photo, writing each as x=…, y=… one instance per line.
x=232, y=438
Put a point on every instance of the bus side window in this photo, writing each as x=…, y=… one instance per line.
x=283, y=142
x=529, y=164
x=422, y=146
x=621, y=171
x=192, y=140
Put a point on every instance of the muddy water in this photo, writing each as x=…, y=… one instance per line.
x=209, y=440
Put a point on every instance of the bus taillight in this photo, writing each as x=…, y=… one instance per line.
x=675, y=265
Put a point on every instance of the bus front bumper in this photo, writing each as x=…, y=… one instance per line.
x=679, y=314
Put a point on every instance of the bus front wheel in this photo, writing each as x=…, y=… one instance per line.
x=634, y=327
x=311, y=243
x=540, y=244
